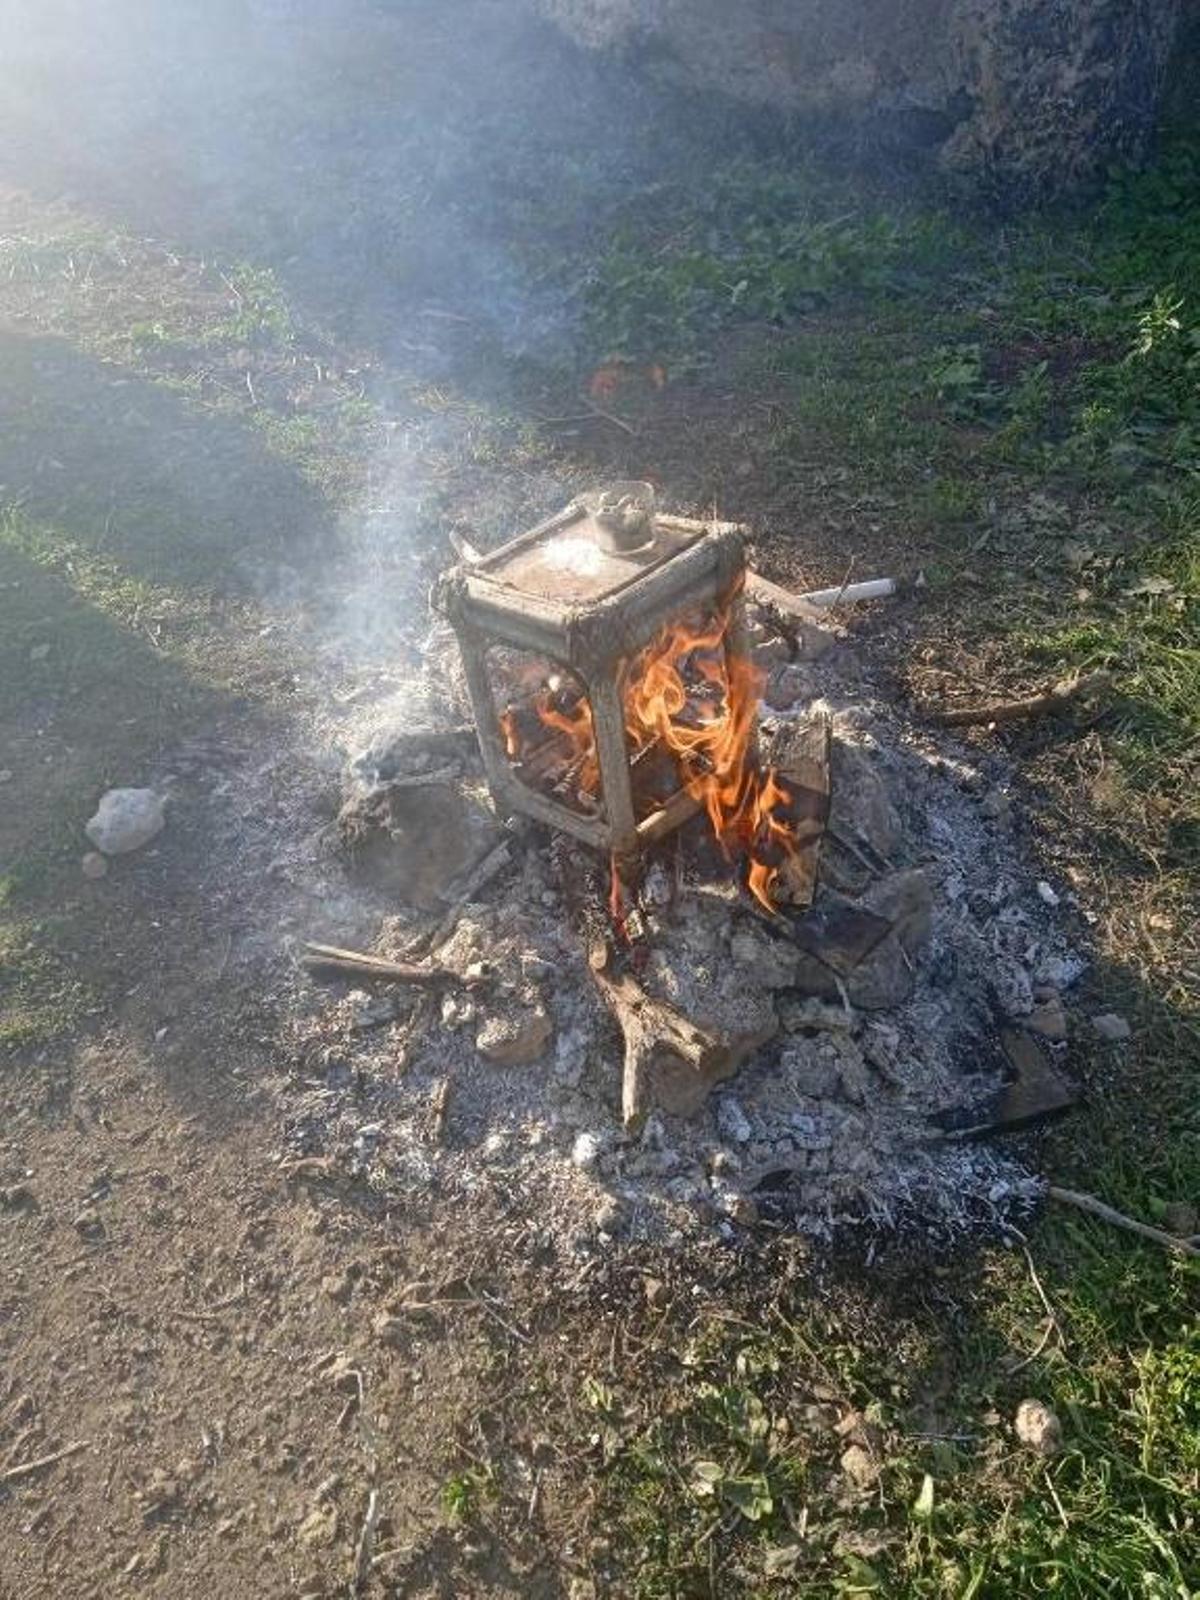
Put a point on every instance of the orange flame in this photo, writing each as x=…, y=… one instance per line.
x=691, y=696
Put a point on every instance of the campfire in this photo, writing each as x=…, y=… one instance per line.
x=636, y=707
x=831, y=969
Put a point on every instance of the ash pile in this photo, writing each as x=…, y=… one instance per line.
x=698, y=1063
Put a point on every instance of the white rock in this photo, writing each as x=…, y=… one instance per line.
x=1112, y=1027
x=515, y=1040
x=125, y=820
x=587, y=1150
x=1038, y=1427
x=1046, y=893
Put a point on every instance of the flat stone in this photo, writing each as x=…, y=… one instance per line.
x=1049, y=1018
x=860, y=808
x=905, y=899
x=515, y=1040
x=125, y=820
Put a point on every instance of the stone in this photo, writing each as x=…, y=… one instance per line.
x=125, y=820
x=1038, y=1428
x=788, y=686
x=587, y=1150
x=859, y=1466
x=885, y=979
x=93, y=865
x=1048, y=1017
x=905, y=899
x=656, y=1293
x=1112, y=1027
x=319, y=1528
x=610, y=1217
x=732, y=1121
x=995, y=805
x=860, y=809
x=769, y=962
x=515, y=1040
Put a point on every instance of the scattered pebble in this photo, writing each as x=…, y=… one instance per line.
x=1038, y=1427
x=94, y=865
x=1046, y=894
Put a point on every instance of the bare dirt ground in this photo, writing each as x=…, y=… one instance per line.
x=227, y=1372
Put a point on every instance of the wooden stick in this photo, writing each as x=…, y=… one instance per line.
x=330, y=957
x=1047, y=703
x=1118, y=1219
x=28, y=1468
x=669, y=816
x=653, y=1031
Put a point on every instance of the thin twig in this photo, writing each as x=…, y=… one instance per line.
x=609, y=416
x=28, y=1468
x=1118, y=1219
x=1050, y=701
x=366, y=1545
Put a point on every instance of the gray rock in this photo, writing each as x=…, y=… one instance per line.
x=732, y=1121
x=1048, y=1017
x=514, y=1039
x=905, y=899
x=611, y=1218
x=860, y=808
x=995, y=805
x=94, y=865
x=1112, y=1027
x=125, y=820
x=860, y=1467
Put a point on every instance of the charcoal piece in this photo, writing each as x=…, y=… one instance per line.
x=1034, y=1092
x=839, y=934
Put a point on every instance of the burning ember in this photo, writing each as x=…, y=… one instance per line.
x=690, y=697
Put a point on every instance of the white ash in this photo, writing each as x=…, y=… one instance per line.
x=827, y=1125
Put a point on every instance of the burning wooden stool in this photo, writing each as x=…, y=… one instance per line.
x=554, y=628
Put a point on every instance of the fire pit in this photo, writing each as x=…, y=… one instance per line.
x=606, y=659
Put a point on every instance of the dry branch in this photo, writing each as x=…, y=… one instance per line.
x=669, y=1060
x=331, y=958
x=27, y=1468
x=1048, y=703
x=1118, y=1219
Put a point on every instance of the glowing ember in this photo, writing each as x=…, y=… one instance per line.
x=686, y=695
